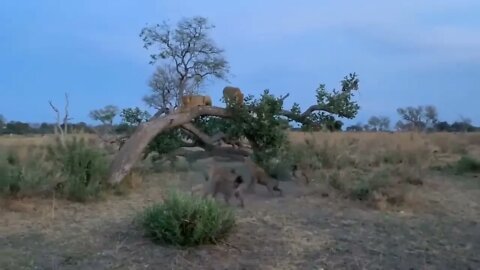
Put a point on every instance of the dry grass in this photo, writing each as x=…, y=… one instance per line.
x=380, y=168
x=424, y=218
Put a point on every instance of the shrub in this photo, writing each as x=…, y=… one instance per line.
x=183, y=220
x=82, y=169
x=366, y=186
x=467, y=164
x=22, y=178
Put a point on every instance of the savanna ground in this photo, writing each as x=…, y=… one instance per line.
x=377, y=201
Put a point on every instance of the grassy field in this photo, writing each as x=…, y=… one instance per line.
x=376, y=201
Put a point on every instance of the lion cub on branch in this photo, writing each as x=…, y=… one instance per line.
x=226, y=181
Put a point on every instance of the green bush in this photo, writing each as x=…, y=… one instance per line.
x=365, y=186
x=183, y=220
x=22, y=178
x=83, y=169
x=467, y=164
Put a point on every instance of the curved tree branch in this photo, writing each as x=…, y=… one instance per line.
x=145, y=132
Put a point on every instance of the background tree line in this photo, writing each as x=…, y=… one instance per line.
x=421, y=118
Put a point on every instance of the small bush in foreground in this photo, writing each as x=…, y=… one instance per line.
x=183, y=220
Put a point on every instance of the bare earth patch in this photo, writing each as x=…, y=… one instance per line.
x=302, y=230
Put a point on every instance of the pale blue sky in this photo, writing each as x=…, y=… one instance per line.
x=406, y=52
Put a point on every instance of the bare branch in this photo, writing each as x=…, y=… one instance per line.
x=65, y=118
x=57, y=127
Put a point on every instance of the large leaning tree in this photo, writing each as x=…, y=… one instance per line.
x=187, y=57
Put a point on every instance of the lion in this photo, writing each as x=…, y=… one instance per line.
x=260, y=176
x=302, y=170
x=233, y=94
x=191, y=101
x=226, y=181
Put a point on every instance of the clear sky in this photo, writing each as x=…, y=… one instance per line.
x=406, y=52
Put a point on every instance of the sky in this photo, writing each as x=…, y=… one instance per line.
x=406, y=53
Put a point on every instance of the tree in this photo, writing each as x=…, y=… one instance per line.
x=355, y=128
x=442, y=126
x=262, y=121
x=17, y=127
x=165, y=92
x=463, y=125
x=189, y=57
x=3, y=122
x=61, y=129
x=431, y=116
x=105, y=115
x=418, y=118
x=374, y=123
x=384, y=124
x=378, y=123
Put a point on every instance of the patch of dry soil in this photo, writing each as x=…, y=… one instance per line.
x=301, y=230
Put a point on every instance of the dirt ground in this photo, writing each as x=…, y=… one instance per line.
x=304, y=229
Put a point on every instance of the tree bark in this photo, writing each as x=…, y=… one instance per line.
x=145, y=132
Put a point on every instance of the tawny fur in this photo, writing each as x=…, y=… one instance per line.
x=191, y=101
x=260, y=176
x=302, y=171
x=234, y=94
x=226, y=181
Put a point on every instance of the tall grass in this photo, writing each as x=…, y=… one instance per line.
x=82, y=169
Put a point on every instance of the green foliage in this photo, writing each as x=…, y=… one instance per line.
x=82, y=168
x=365, y=186
x=22, y=178
x=134, y=116
x=104, y=115
x=182, y=220
x=260, y=121
x=328, y=105
x=165, y=142
x=3, y=121
x=162, y=144
x=467, y=164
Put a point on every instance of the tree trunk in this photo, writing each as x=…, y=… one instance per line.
x=145, y=132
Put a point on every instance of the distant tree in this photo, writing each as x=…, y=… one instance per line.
x=378, y=123
x=105, y=115
x=130, y=119
x=134, y=116
x=16, y=127
x=384, y=123
x=418, y=118
x=400, y=126
x=431, y=116
x=442, y=126
x=189, y=57
x=463, y=125
x=46, y=128
x=3, y=122
x=355, y=128
x=374, y=123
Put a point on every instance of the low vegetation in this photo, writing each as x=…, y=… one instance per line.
x=183, y=220
x=74, y=170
